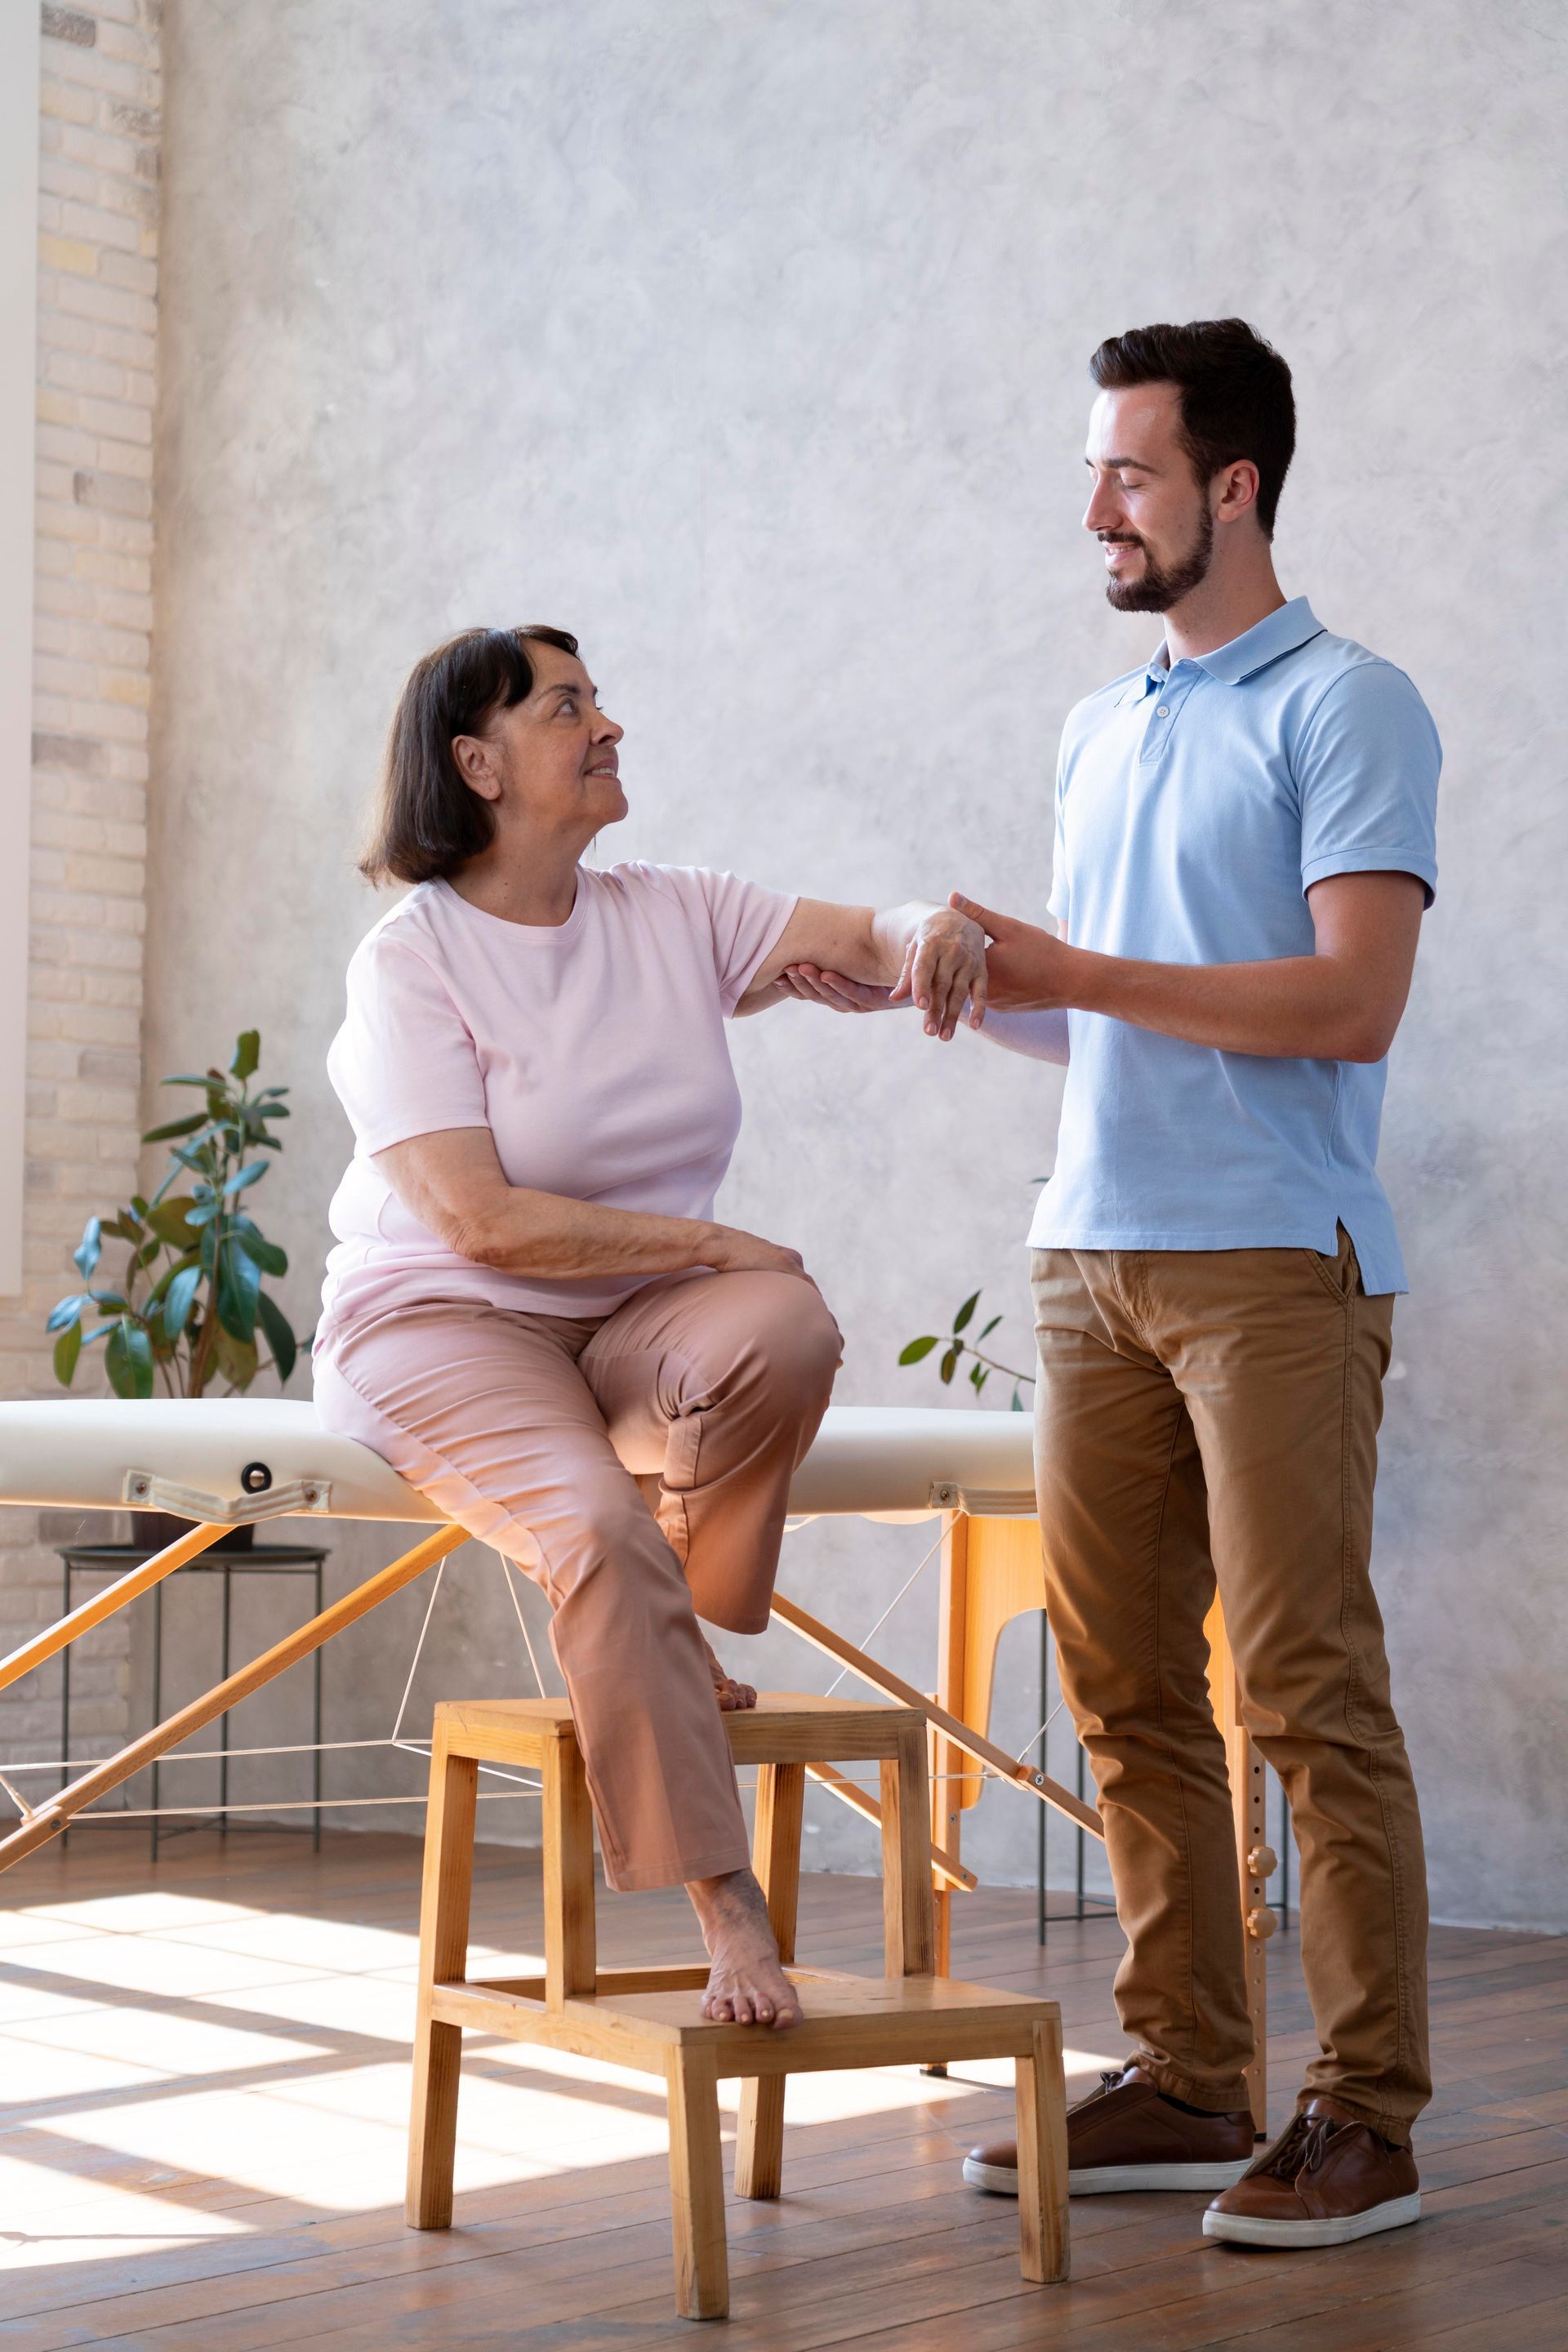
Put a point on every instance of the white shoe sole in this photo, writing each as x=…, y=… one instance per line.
x=1115, y=2180
x=1246, y=2229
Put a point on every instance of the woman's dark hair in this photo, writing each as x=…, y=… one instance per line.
x=427, y=823
x=1235, y=395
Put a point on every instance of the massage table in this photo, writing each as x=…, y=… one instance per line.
x=219, y=1462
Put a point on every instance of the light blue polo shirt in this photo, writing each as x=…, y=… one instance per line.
x=1195, y=804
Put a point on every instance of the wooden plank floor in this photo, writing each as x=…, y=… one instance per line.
x=206, y=2077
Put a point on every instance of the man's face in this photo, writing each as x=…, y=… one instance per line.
x=1148, y=509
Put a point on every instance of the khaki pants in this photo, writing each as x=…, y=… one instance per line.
x=1210, y=1414
x=712, y=1387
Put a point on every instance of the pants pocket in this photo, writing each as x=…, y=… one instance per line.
x=1340, y=1275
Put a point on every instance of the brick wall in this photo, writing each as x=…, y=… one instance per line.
x=97, y=289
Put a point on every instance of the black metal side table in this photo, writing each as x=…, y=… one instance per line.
x=257, y=1560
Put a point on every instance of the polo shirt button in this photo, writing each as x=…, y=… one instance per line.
x=1163, y=711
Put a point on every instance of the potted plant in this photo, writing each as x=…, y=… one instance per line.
x=190, y=1309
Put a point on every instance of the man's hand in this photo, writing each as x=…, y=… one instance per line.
x=809, y=984
x=1025, y=969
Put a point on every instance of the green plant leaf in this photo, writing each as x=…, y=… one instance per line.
x=279, y=1334
x=68, y=1312
x=267, y=1255
x=178, y=1265
x=238, y=1282
x=978, y=1376
x=246, y=1054
x=272, y=1110
x=918, y=1348
x=236, y=1358
x=182, y=1287
x=964, y=1312
x=109, y=1302
x=245, y=1176
x=128, y=1359
x=175, y=1127
x=90, y=1249
x=949, y=1365
x=1017, y=1403
x=990, y=1326
x=171, y=1221
x=67, y=1348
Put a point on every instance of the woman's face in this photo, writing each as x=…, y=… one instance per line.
x=551, y=761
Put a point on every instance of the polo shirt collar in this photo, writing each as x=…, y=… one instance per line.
x=1277, y=633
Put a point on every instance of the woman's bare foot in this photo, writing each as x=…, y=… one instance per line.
x=746, y=1984
x=733, y=1697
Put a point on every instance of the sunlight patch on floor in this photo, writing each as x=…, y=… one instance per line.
x=179, y=2068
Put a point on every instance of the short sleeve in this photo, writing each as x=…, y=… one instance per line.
x=1366, y=765
x=744, y=920
x=404, y=1062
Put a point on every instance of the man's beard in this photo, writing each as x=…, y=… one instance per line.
x=1164, y=584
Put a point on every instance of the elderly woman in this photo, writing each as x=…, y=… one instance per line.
x=530, y=1312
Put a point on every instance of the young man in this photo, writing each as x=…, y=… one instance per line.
x=1244, y=848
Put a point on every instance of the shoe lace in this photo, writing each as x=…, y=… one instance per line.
x=1110, y=2079
x=1301, y=2149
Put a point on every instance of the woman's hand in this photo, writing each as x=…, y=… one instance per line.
x=944, y=963
x=734, y=1251
x=933, y=956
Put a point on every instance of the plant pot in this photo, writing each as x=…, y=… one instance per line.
x=154, y=1529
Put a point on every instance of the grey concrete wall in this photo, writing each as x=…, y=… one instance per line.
x=750, y=343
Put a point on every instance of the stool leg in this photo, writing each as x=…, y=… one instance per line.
x=697, y=2188
x=1043, y=2248
x=775, y=1857
x=570, y=1943
x=443, y=1960
x=908, y=1924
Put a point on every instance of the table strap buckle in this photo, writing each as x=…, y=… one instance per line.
x=149, y=1493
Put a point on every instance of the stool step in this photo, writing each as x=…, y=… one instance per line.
x=783, y=1728
x=849, y=2021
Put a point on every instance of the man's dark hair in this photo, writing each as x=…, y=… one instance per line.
x=1235, y=395
x=428, y=823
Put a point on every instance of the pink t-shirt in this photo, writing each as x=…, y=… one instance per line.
x=593, y=1050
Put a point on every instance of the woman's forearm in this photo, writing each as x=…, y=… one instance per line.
x=453, y=1183
x=550, y=1237
x=929, y=953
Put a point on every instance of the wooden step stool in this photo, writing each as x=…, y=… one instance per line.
x=648, y=2019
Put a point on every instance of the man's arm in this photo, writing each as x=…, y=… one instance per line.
x=1342, y=1003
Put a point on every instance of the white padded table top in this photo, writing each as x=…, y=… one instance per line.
x=870, y=1461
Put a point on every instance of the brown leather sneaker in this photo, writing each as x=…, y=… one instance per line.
x=1329, y=2178
x=1125, y=2136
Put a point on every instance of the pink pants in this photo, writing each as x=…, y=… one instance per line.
x=520, y=1428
